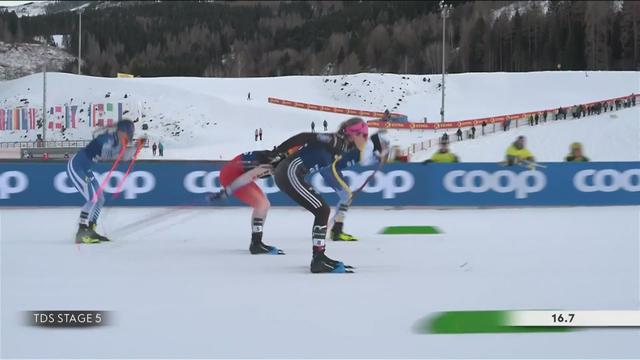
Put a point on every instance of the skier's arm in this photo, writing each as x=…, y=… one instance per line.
x=333, y=142
x=244, y=179
x=296, y=140
x=249, y=176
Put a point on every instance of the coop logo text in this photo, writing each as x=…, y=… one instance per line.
x=504, y=181
x=607, y=180
x=12, y=182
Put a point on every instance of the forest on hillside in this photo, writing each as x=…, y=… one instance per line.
x=243, y=38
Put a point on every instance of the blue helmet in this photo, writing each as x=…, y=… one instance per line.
x=126, y=126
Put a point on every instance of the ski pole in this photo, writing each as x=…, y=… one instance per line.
x=104, y=181
x=133, y=160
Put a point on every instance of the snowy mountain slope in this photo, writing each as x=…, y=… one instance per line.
x=33, y=8
x=20, y=59
x=211, y=118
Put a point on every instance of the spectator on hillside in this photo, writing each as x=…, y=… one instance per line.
x=473, y=132
x=583, y=110
x=443, y=155
x=160, y=148
x=154, y=147
x=386, y=116
x=459, y=134
x=66, y=156
x=633, y=99
x=517, y=152
x=484, y=125
x=575, y=154
x=530, y=120
x=544, y=116
x=249, y=95
x=537, y=118
x=45, y=156
x=260, y=134
x=445, y=137
x=256, y=134
x=325, y=124
x=313, y=126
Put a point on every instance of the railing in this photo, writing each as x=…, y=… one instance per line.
x=44, y=144
x=48, y=144
x=513, y=123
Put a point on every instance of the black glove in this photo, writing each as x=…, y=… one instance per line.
x=274, y=158
x=339, y=144
x=220, y=195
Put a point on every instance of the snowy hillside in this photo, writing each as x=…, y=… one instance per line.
x=36, y=8
x=212, y=118
x=19, y=59
x=607, y=137
x=33, y=8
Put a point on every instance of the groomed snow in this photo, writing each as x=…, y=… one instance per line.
x=187, y=287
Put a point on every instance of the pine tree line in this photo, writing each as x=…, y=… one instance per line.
x=321, y=37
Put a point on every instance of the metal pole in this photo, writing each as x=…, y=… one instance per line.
x=80, y=42
x=444, y=19
x=44, y=102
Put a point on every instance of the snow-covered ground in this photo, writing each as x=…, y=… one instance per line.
x=211, y=118
x=606, y=137
x=189, y=288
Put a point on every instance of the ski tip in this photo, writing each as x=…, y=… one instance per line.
x=275, y=251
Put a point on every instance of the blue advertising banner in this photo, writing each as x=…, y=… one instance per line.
x=185, y=183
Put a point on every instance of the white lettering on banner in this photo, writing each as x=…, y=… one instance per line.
x=390, y=184
x=503, y=181
x=138, y=182
x=12, y=182
x=607, y=180
x=194, y=185
x=200, y=182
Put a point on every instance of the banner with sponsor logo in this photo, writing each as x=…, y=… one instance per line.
x=468, y=184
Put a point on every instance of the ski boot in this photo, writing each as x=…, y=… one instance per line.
x=321, y=263
x=258, y=247
x=338, y=235
x=93, y=227
x=86, y=236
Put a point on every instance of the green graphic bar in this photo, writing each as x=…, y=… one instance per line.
x=410, y=230
x=469, y=322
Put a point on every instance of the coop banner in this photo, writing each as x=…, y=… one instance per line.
x=470, y=184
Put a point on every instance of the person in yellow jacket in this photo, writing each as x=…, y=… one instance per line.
x=576, y=154
x=517, y=152
x=443, y=155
